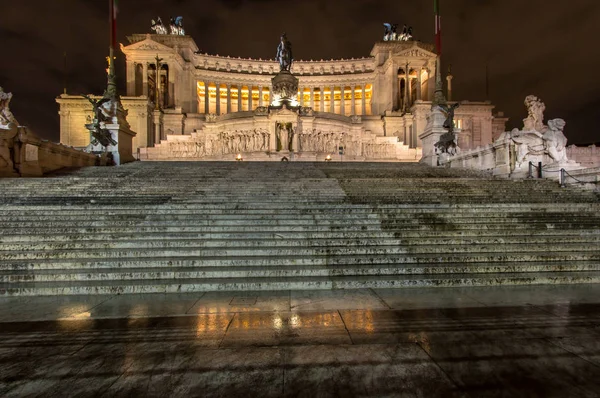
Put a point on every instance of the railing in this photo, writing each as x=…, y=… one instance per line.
x=563, y=179
x=538, y=168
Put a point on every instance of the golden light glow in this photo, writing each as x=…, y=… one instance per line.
x=239, y=157
x=328, y=158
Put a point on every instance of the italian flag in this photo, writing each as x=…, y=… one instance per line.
x=438, y=26
x=113, y=10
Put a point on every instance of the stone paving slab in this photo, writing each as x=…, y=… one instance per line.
x=437, y=342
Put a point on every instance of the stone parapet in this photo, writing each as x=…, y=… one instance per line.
x=34, y=157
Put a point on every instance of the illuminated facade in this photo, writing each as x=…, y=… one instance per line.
x=380, y=100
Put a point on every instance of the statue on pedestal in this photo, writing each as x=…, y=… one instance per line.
x=284, y=133
x=447, y=143
x=284, y=53
x=100, y=135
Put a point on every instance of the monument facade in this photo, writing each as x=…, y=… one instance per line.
x=374, y=107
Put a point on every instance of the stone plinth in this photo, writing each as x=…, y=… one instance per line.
x=122, y=136
x=431, y=135
x=285, y=90
x=8, y=137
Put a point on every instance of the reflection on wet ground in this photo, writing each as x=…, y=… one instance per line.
x=508, y=341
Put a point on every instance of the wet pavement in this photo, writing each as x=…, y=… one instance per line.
x=503, y=341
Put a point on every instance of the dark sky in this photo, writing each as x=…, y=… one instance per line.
x=544, y=47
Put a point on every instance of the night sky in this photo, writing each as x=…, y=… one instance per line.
x=544, y=47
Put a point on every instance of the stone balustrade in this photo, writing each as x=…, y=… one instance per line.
x=30, y=156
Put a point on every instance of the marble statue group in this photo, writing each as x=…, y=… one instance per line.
x=8, y=131
x=175, y=26
x=391, y=34
x=537, y=139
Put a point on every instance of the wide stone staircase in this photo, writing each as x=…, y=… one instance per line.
x=195, y=226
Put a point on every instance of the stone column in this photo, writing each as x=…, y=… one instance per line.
x=145, y=78
x=229, y=98
x=322, y=104
x=260, y=95
x=131, y=78
x=332, y=101
x=406, y=83
x=218, y=104
x=270, y=95
x=295, y=140
x=301, y=96
x=353, y=100
x=206, y=98
x=250, y=97
x=449, y=87
x=171, y=78
x=410, y=99
x=312, y=97
x=343, y=101
x=157, y=116
x=239, y=97
x=419, y=84
x=364, y=99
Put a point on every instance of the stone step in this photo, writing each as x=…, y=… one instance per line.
x=295, y=283
x=260, y=251
x=548, y=229
x=260, y=206
x=275, y=261
x=405, y=237
x=142, y=227
x=242, y=215
x=384, y=240
x=183, y=273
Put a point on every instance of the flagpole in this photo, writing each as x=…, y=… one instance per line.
x=111, y=90
x=438, y=27
x=438, y=95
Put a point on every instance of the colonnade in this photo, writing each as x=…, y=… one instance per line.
x=219, y=98
x=222, y=98
x=410, y=87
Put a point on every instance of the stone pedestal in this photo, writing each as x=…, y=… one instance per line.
x=431, y=135
x=285, y=90
x=122, y=135
x=8, y=137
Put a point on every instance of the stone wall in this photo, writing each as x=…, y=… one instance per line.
x=587, y=156
x=75, y=111
x=254, y=136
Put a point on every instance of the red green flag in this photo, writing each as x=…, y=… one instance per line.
x=438, y=26
x=113, y=10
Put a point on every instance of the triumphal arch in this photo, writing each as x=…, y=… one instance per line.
x=188, y=105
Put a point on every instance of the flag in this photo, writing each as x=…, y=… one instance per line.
x=438, y=26
x=113, y=10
